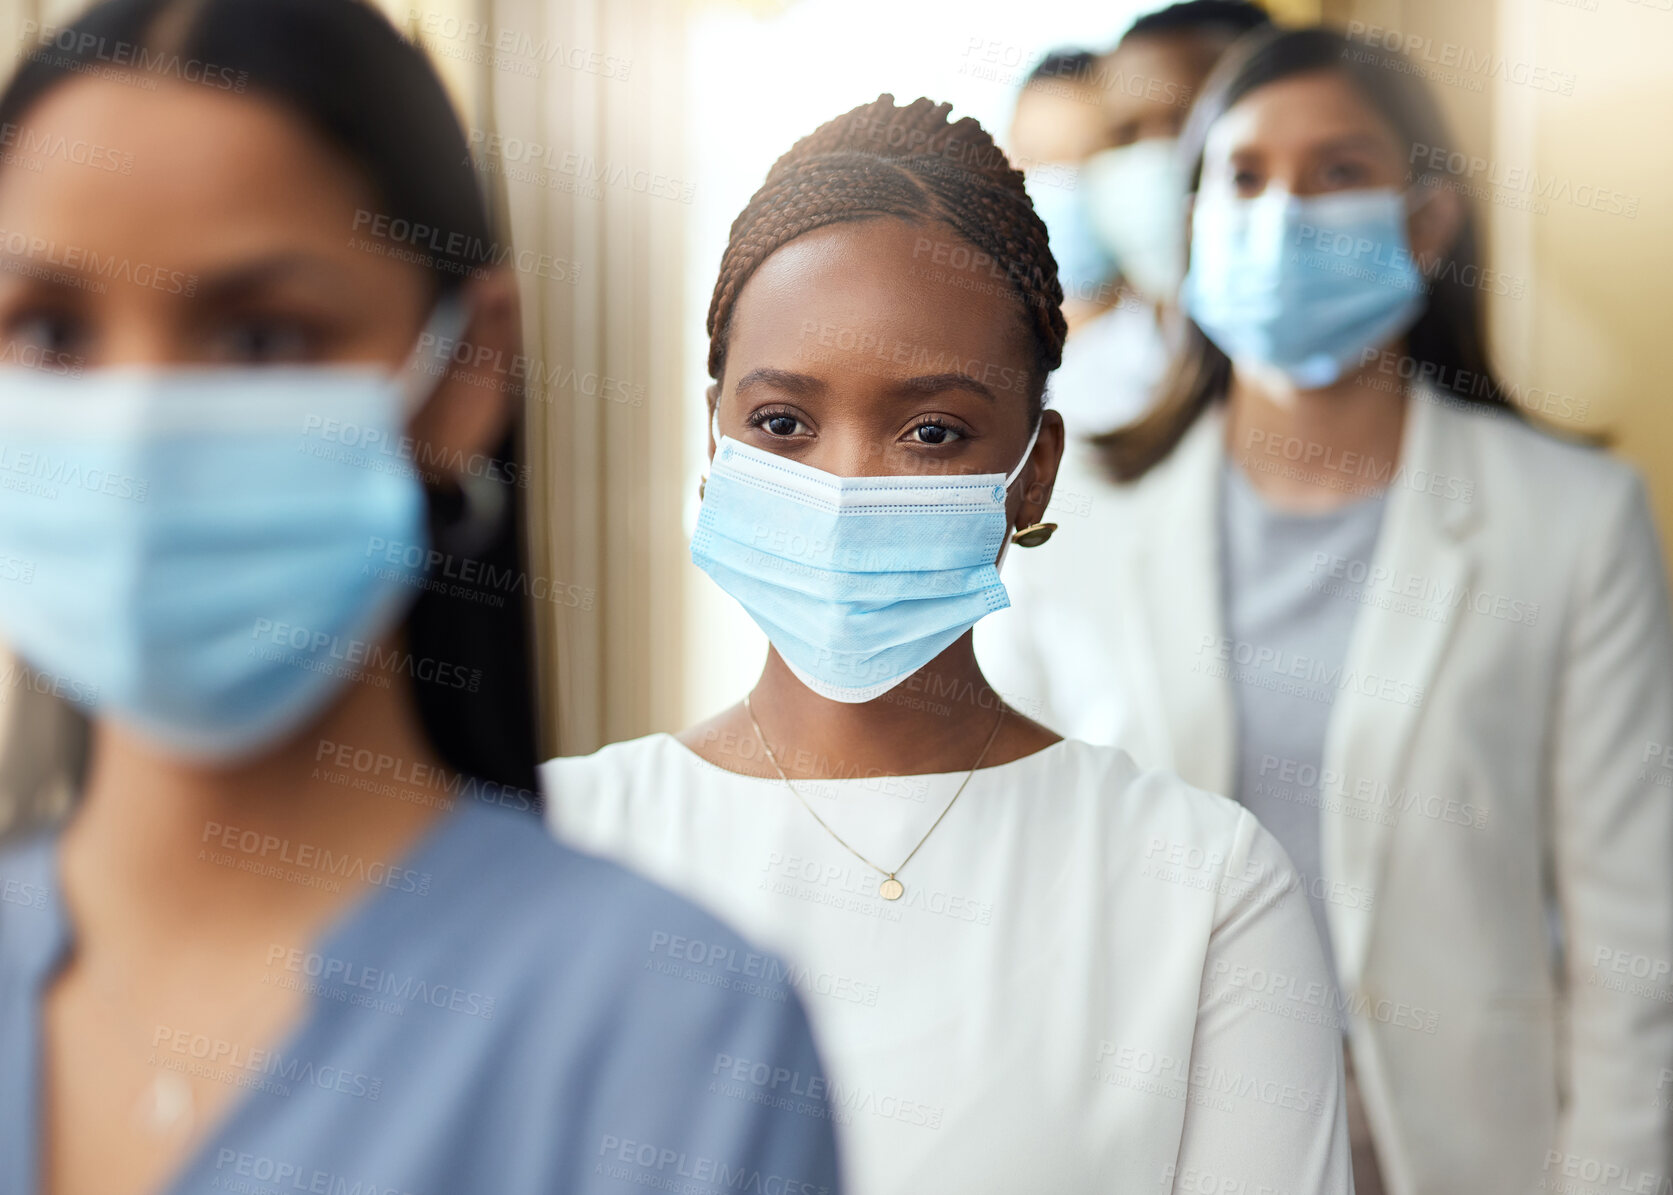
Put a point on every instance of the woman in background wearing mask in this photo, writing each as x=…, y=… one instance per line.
x=1130, y=207
x=1057, y=124
x=1336, y=574
x=303, y=930
x=1019, y=950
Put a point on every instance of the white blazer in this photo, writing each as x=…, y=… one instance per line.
x=1497, y=789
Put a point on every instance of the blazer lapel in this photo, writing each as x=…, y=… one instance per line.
x=1175, y=588
x=1424, y=546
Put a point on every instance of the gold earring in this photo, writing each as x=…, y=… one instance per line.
x=1033, y=536
x=701, y=482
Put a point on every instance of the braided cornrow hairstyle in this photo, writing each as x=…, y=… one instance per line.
x=911, y=163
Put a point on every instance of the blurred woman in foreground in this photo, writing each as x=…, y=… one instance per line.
x=303, y=930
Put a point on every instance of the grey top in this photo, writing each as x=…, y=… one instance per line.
x=1290, y=625
x=517, y=1020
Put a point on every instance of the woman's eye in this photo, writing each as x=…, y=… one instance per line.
x=259, y=342
x=1344, y=175
x=41, y=339
x=1247, y=182
x=779, y=424
x=935, y=433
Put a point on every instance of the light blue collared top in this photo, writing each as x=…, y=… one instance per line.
x=509, y=1016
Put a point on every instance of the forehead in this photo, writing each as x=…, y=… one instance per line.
x=1056, y=121
x=1150, y=72
x=184, y=175
x=1297, y=114
x=885, y=288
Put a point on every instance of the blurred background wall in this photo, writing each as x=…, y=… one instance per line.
x=620, y=137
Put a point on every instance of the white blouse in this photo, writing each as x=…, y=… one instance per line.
x=1098, y=979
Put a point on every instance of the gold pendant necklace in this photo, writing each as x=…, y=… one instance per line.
x=891, y=888
x=166, y=1106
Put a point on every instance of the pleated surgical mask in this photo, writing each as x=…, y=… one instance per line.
x=203, y=544
x=1305, y=285
x=1084, y=266
x=1135, y=200
x=858, y=582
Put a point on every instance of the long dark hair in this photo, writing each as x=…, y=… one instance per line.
x=347, y=73
x=1448, y=342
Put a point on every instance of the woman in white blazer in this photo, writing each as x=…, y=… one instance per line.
x=1338, y=576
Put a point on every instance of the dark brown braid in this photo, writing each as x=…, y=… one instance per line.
x=881, y=160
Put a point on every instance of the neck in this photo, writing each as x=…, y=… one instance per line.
x=161, y=850
x=1315, y=449
x=937, y=720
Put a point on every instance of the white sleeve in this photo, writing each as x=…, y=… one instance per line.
x=1265, y=1109
x=1612, y=837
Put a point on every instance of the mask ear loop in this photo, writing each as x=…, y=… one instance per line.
x=1414, y=199
x=431, y=356
x=1026, y=452
x=483, y=501
x=1418, y=196
x=714, y=432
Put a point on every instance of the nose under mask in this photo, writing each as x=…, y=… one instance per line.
x=212, y=552
x=858, y=582
x=1304, y=285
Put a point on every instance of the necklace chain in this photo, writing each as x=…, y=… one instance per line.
x=167, y=1103
x=891, y=888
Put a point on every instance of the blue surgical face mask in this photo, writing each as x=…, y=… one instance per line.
x=1303, y=285
x=1084, y=266
x=207, y=550
x=857, y=581
x=1135, y=199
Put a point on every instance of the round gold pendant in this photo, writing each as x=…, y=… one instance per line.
x=891, y=889
x=167, y=1105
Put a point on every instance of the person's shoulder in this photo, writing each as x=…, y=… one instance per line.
x=1195, y=844
x=1152, y=801
x=1586, y=506
x=607, y=988
x=613, y=778
x=625, y=758
x=568, y=912
x=27, y=880
x=552, y=875
x=24, y=852
x=1558, y=464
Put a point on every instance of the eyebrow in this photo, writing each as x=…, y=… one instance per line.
x=30, y=272
x=215, y=288
x=1354, y=141
x=935, y=383
x=799, y=384
x=1344, y=141
x=804, y=385
x=251, y=276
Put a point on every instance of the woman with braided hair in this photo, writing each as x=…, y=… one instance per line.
x=1030, y=965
